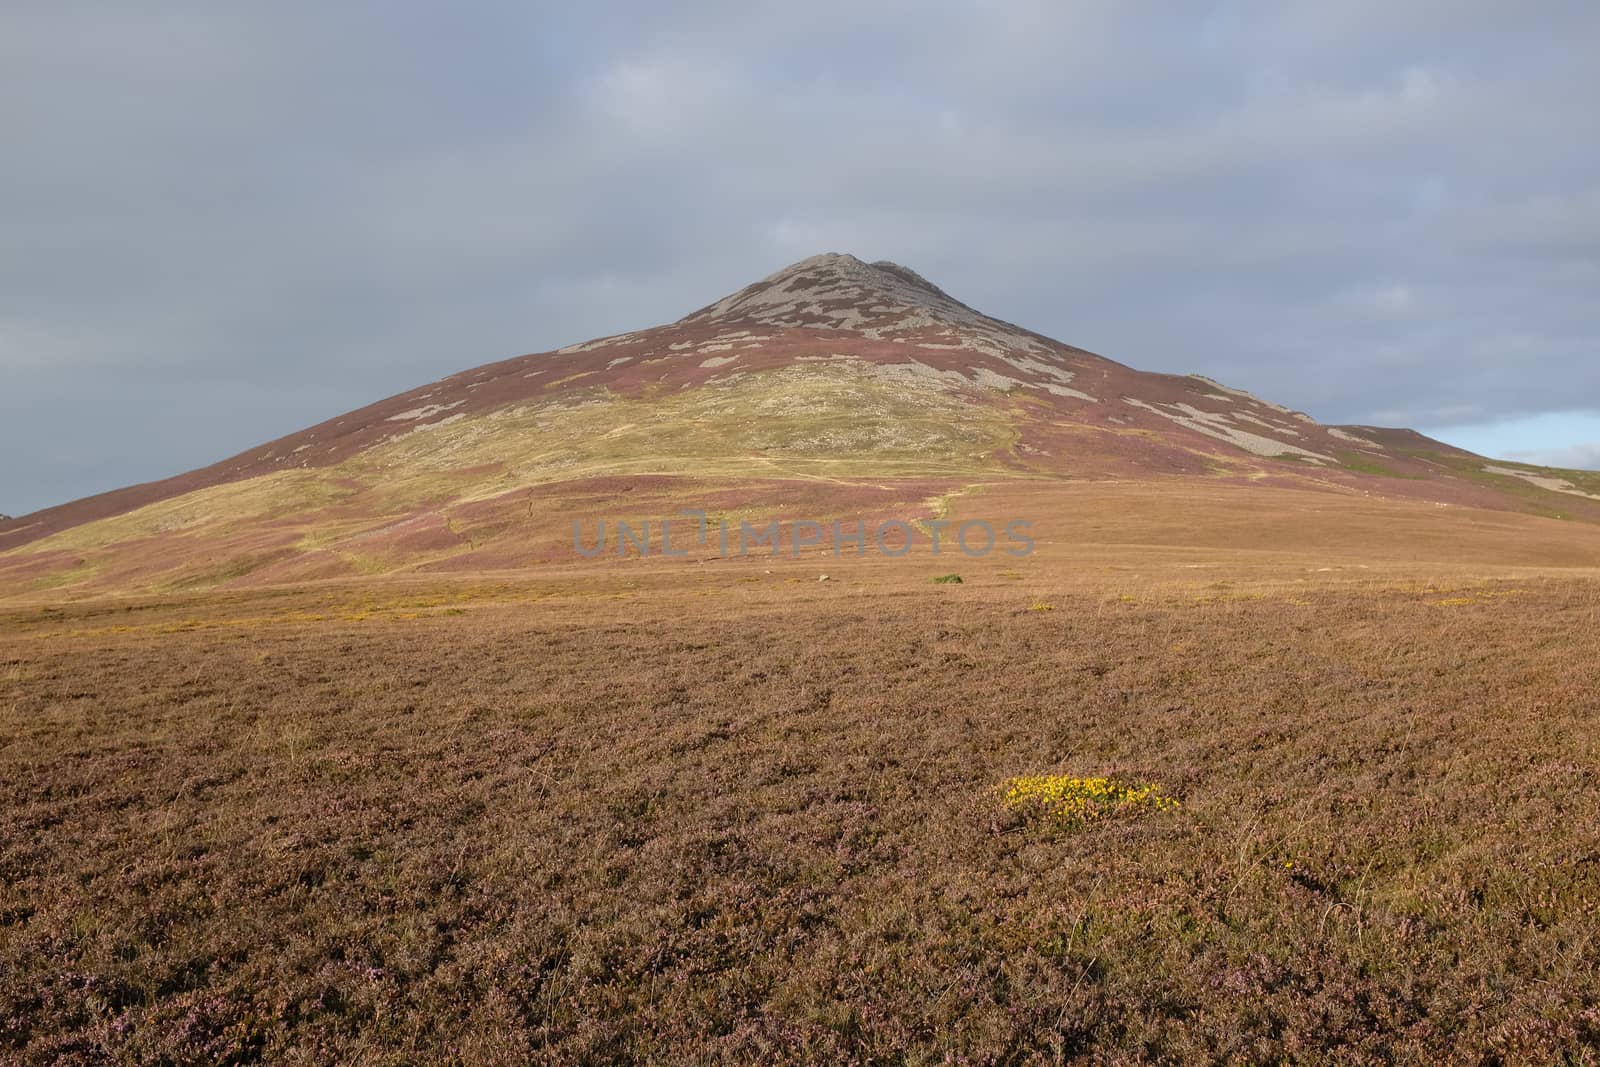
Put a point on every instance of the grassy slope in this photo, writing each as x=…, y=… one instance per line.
x=1533, y=498
x=821, y=422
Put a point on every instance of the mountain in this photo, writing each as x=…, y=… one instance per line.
x=833, y=384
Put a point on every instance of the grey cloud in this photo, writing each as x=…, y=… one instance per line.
x=249, y=219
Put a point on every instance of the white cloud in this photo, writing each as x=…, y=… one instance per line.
x=1573, y=457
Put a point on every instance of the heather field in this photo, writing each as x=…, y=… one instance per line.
x=517, y=549
x=724, y=812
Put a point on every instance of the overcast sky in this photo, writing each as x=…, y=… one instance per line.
x=224, y=222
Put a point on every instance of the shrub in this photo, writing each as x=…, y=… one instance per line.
x=1079, y=800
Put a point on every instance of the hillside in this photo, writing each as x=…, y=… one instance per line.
x=834, y=386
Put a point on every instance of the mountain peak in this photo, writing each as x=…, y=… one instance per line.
x=836, y=290
x=828, y=369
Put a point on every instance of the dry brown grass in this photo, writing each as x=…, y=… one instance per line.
x=1242, y=531
x=675, y=814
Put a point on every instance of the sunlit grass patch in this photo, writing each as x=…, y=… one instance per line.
x=1079, y=800
x=1477, y=596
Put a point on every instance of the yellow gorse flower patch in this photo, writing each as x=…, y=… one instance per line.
x=1074, y=800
